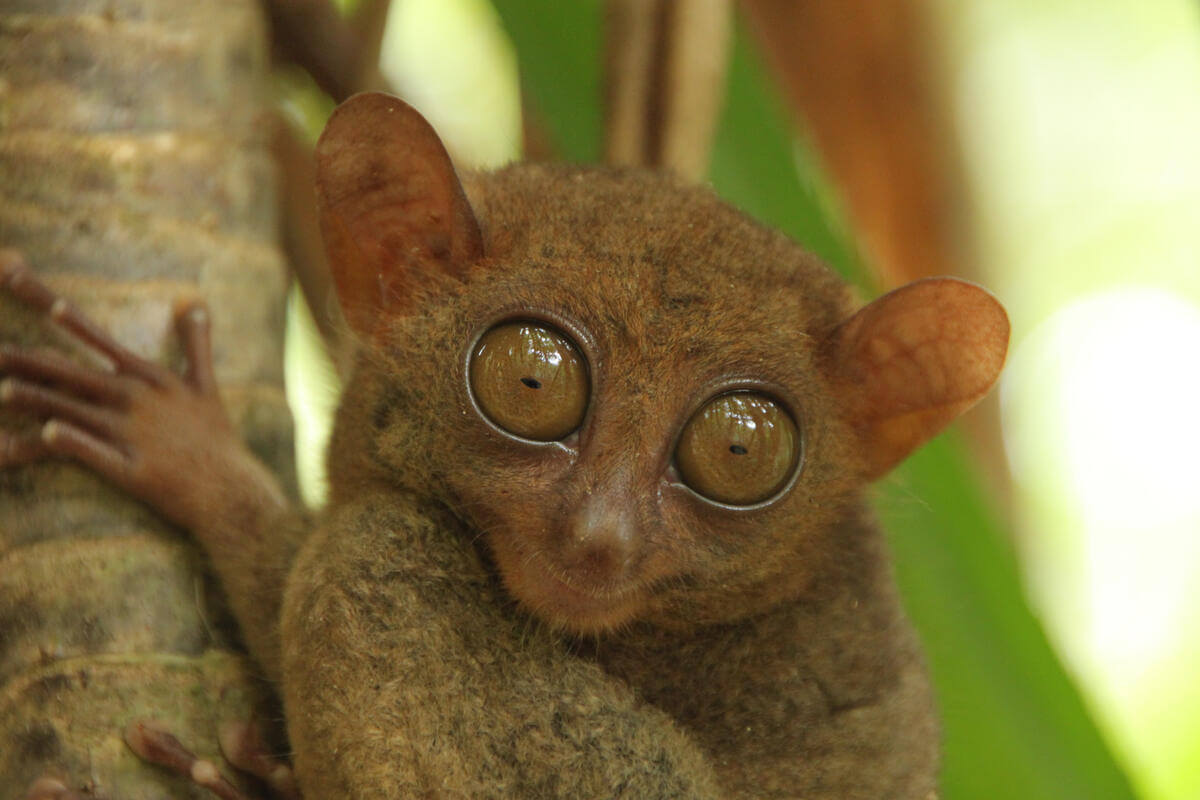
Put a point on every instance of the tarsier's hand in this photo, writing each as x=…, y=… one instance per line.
x=162, y=437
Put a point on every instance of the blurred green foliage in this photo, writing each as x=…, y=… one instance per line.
x=1078, y=122
x=1014, y=724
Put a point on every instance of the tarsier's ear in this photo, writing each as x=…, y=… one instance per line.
x=393, y=214
x=913, y=360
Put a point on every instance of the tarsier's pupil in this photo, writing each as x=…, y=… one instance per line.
x=518, y=355
x=740, y=448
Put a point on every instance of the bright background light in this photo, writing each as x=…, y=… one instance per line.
x=1081, y=124
x=452, y=61
x=1103, y=437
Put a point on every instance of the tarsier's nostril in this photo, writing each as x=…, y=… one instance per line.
x=600, y=540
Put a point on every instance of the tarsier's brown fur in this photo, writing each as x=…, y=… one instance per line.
x=771, y=660
x=427, y=648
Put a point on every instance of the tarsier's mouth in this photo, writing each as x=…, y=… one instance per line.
x=548, y=593
x=581, y=601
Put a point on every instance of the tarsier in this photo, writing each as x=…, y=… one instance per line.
x=597, y=524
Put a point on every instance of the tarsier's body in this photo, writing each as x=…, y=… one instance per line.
x=494, y=607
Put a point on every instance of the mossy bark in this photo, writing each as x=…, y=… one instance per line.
x=134, y=170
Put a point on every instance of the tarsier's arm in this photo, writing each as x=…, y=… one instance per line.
x=409, y=673
x=164, y=438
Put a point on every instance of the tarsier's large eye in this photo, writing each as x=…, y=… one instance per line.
x=530, y=380
x=740, y=448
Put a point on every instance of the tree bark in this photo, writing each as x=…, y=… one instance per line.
x=134, y=170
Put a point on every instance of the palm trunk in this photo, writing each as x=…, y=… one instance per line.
x=134, y=169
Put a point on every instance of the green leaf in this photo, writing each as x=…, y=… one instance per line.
x=762, y=167
x=1014, y=724
x=558, y=56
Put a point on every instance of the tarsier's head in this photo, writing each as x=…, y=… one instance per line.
x=649, y=406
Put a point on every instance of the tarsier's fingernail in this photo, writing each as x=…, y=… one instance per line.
x=7, y=390
x=191, y=309
x=205, y=772
x=232, y=737
x=58, y=309
x=50, y=431
x=45, y=788
x=12, y=267
x=48, y=785
x=10, y=260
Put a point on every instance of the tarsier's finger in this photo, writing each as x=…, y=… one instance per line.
x=153, y=744
x=51, y=789
x=50, y=367
x=18, y=449
x=21, y=283
x=242, y=745
x=192, y=323
x=46, y=403
x=64, y=439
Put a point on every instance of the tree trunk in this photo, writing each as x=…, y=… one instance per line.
x=134, y=170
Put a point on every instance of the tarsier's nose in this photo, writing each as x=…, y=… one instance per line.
x=600, y=540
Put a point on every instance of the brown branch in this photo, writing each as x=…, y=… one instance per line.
x=858, y=72
x=302, y=238
x=341, y=55
x=693, y=82
x=666, y=64
x=630, y=30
